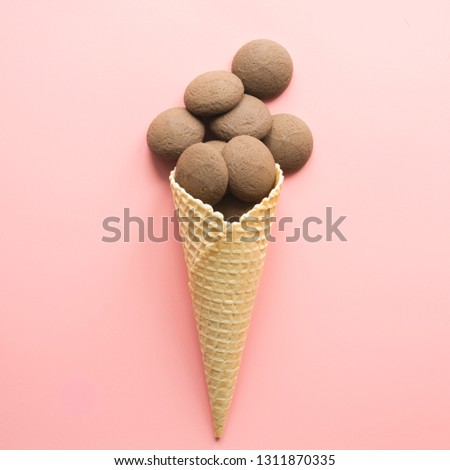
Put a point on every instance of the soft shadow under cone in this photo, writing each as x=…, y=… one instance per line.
x=224, y=273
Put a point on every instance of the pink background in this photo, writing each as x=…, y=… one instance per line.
x=349, y=343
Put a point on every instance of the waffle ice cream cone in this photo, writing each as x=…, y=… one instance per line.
x=224, y=271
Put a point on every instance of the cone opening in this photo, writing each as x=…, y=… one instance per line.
x=210, y=210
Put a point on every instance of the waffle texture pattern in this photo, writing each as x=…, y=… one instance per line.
x=224, y=270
